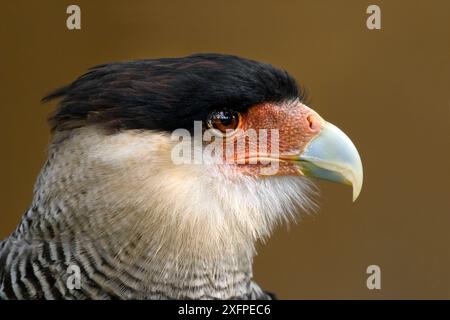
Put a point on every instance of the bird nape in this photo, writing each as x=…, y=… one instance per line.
x=125, y=209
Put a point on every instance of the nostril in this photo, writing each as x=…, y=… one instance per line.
x=313, y=122
x=309, y=119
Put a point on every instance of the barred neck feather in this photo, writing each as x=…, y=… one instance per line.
x=139, y=226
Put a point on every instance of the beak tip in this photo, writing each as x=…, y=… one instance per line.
x=356, y=192
x=357, y=183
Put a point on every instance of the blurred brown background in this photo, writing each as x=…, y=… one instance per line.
x=387, y=89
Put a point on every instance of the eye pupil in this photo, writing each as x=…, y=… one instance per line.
x=226, y=118
x=223, y=120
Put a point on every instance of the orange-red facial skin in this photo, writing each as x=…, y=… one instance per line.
x=296, y=124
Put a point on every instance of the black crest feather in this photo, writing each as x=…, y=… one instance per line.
x=169, y=93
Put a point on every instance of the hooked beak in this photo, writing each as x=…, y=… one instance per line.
x=332, y=156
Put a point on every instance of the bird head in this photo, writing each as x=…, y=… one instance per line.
x=203, y=153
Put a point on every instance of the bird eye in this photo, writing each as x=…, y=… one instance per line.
x=224, y=120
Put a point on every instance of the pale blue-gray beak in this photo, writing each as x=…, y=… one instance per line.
x=331, y=155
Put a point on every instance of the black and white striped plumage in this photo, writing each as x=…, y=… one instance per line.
x=110, y=201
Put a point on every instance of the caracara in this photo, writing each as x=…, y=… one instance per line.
x=162, y=175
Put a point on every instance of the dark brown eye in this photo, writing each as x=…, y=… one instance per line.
x=224, y=120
